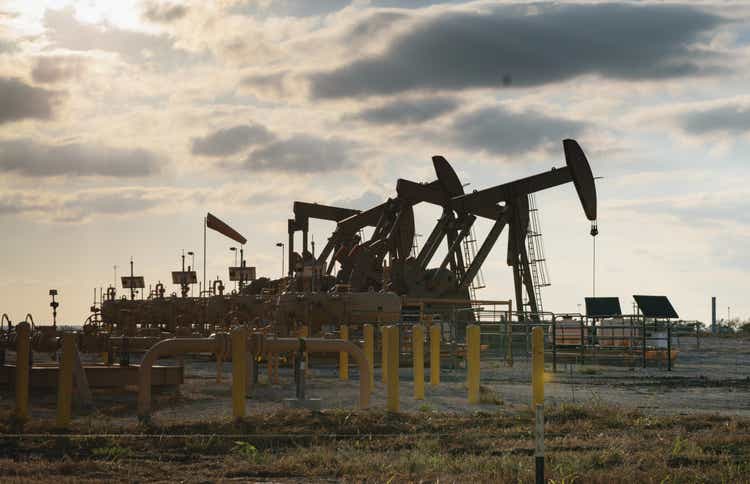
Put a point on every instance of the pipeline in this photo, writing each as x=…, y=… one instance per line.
x=220, y=344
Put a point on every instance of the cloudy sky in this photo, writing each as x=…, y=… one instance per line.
x=122, y=123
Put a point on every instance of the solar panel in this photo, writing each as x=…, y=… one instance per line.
x=603, y=307
x=655, y=306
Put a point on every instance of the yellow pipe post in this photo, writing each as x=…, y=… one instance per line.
x=384, y=353
x=239, y=371
x=472, y=362
x=434, y=355
x=65, y=380
x=537, y=367
x=23, y=348
x=343, y=355
x=369, y=335
x=417, y=341
x=392, y=386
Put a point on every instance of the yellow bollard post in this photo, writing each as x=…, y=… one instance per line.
x=417, y=341
x=384, y=353
x=65, y=380
x=23, y=348
x=369, y=335
x=472, y=362
x=239, y=371
x=537, y=367
x=343, y=355
x=392, y=387
x=434, y=355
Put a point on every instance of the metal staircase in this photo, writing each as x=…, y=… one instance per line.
x=535, y=244
x=470, y=252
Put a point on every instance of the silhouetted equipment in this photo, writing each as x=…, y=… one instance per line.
x=184, y=277
x=603, y=307
x=655, y=307
x=132, y=282
x=54, y=305
x=242, y=273
x=214, y=223
x=384, y=261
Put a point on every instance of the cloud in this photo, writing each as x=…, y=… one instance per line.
x=730, y=119
x=302, y=153
x=81, y=206
x=503, y=132
x=29, y=158
x=64, y=30
x=274, y=84
x=55, y=69
x=164, y=12
x=406, y=111
x=289, y=8
x=530, y=46
x=19, y=100
x=230, y=141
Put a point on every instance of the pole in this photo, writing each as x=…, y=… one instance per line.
x=343, y=355
x=239, y=371
x=204, y=252
x=472, y=362
x=65, y=381
x=713, y=315
x=537, y=368
x=417, y=341
x=593, y=269
x=539, y=444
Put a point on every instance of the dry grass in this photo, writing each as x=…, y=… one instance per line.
x=594, y=444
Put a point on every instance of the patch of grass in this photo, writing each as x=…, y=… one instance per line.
x=374, y=445
x=111, y=452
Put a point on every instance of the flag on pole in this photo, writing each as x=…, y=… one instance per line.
x=214, y=223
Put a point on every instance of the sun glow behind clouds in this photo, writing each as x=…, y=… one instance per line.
x=124, y=14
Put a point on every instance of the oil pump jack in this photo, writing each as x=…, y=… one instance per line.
x=362, y=261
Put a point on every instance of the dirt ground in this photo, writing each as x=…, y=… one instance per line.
x=604, y=424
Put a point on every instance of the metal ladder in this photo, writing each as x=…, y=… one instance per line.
x=470, y=252
x=535, y=244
